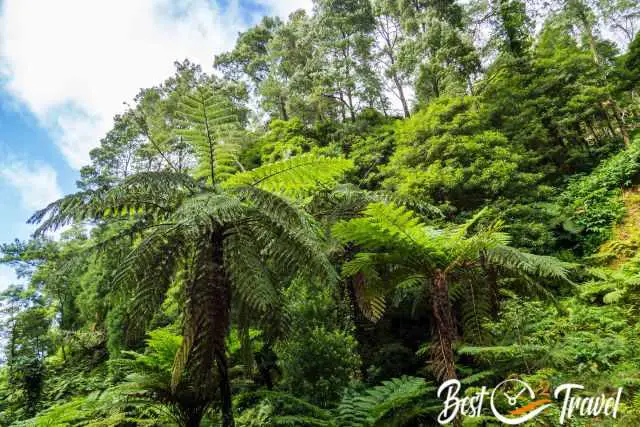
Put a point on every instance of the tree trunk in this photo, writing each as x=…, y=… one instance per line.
x=225, y=389
x=358, y=322
x=207, y=313
x=589, y=124
x=342, y=107
x=620, y=121
x=445, y=333
x=403, y=99
x=352, y=111
x=492, y=283
x=193, y=419
x=283, y=109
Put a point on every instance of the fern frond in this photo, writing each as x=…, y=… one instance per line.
x=476, y=310
x=72, y=208
x=248, y=273
x=209, y=211
x=277, y=208
x=371, y=302
x=296, y=177
x=385, y=226
x=210, y=125
x=503, y=353
x=151, y=194
x=291, y=250
x=536, y=265
x=462, y=230
x=393, y=400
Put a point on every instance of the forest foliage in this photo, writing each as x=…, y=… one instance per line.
x=358, y=204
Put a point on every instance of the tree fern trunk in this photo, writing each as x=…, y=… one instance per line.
x=225, y=389
x=205, y=328
x=492, y=284
x=442, y=350
x=358, y=322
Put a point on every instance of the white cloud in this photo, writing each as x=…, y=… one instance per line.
x=74, y=62
x=36, y=184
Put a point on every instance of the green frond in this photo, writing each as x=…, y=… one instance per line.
x=370, y=299
x=501, y=353
x=296, y=177
x=362, y=262
x=385, y=226
x=344, y=201
x=151, y=194
x=299, y=420
x=76, y=207
x=207, y=212
x=478, y=377
x=415, y=204
x=210, y=125
x=517, y=261
x=288, y=250
x=398, y=400
x=475, y=309
x=613, y=297
x=470, y=248
x=278, y=209
x=148, y=270
x=462, y=230
x=247, y=270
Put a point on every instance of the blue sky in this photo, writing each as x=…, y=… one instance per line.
x=67, y=66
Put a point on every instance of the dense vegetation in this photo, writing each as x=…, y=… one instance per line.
x=360, y=203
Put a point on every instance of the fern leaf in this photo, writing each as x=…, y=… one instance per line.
x=295, y=177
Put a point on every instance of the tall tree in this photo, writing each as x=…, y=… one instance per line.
x=345, y=37
x=228, y=228
x=389, y=39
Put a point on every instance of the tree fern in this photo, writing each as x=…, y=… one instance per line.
x=396, y=402
x=210, y=125
x=234, y=232
x=447, y=264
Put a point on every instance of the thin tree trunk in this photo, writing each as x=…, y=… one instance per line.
x=342, y=106
x=445, y=333
x=283, y=109
x=403, y=99
x=616, y=111
x=593, y=131
x=492, y=283
x=352, y=111
x=225, y=389
x=620, y=121
x=358, y=320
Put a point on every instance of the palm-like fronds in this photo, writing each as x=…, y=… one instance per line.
x=521, y=262
x=396, y=402
x=151, y=194
x=295, y=177
x=210, y=124
x=446, y=264
x=236, y=232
